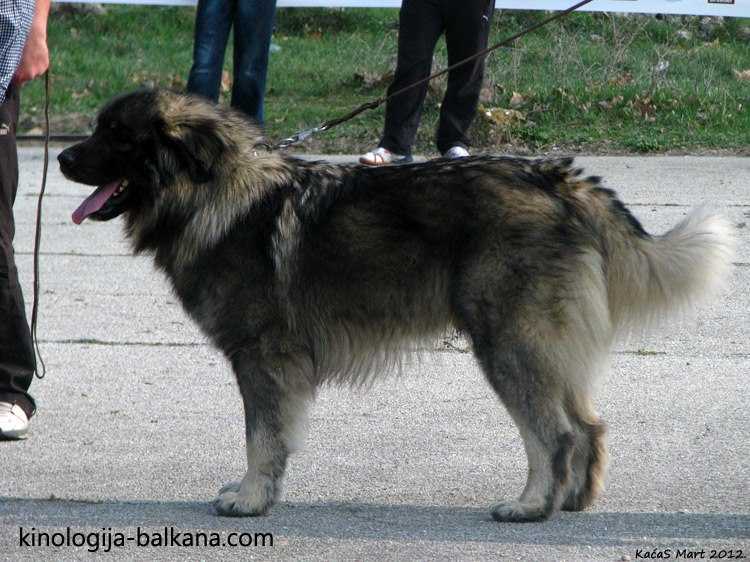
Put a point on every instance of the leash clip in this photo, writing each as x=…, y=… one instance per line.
x=298, y=137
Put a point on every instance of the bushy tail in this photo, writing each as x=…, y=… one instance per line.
x=651, y=277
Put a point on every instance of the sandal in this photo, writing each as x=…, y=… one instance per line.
x=383, y=157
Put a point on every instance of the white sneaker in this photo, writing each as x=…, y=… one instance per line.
x=382, y=157
x=456, y=152
x=13, y=421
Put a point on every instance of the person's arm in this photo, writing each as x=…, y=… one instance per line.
x=35, y=58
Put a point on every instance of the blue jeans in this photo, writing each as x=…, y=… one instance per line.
x=253, y=25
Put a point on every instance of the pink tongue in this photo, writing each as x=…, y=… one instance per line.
x=95, y=201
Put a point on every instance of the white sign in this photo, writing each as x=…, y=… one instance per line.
x=731, y=8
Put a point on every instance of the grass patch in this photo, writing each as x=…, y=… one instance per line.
x=592, y=82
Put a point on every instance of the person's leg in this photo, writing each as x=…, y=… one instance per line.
x=420, y=26
x=252, y=38
x=467, y=31
x=213, y=19
x=16, y=350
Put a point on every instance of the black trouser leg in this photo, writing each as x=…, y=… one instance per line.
x=16, y=350
x=467, y=31
x=420, y=26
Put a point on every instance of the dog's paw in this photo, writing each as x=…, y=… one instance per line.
x=237, y=499
x=518, y=512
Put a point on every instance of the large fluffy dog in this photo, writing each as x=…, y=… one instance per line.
x=304, y=273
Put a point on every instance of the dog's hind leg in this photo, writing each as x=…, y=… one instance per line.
x=544, y=376
x=533, y=391
x=534, y=402
x=274, y=418
x=544, y=382
x=542, y=336
x=589, y=456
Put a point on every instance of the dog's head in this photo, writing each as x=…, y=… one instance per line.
x=146, y=147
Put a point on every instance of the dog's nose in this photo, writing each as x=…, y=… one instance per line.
x=65, y=158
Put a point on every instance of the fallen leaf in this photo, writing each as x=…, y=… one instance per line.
x=503, y=117
x=743, y=75
x=609, y=104
x=645, y=107
x=517, y=100
x=622, y=79
x=83, y=94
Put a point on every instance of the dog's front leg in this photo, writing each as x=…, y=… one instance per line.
x=274, y=419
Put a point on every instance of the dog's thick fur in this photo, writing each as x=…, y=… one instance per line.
x=303, y=273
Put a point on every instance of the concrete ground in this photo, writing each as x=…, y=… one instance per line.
x=140, y=423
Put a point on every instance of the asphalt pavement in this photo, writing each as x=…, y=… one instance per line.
x=140, y=422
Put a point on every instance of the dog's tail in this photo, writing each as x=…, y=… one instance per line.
x=649, y=277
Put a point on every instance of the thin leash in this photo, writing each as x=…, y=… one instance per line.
x=326, y=125
x=38, y=239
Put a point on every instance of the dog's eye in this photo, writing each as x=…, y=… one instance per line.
x=116, y=129
x=121, y=138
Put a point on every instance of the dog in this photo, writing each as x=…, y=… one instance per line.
x=304, y=273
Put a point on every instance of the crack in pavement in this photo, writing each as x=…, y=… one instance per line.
x=443, y=348
x=94, y=341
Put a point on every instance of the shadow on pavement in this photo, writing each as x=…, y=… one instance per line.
x=383, y=522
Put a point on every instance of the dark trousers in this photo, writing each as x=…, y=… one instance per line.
x=466, y=25
x=16, y=351
x=253, y=25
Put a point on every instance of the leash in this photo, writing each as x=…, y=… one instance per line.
x=326, y=125
x=38, y=239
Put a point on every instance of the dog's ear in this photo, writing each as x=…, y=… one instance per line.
x=196, y=145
